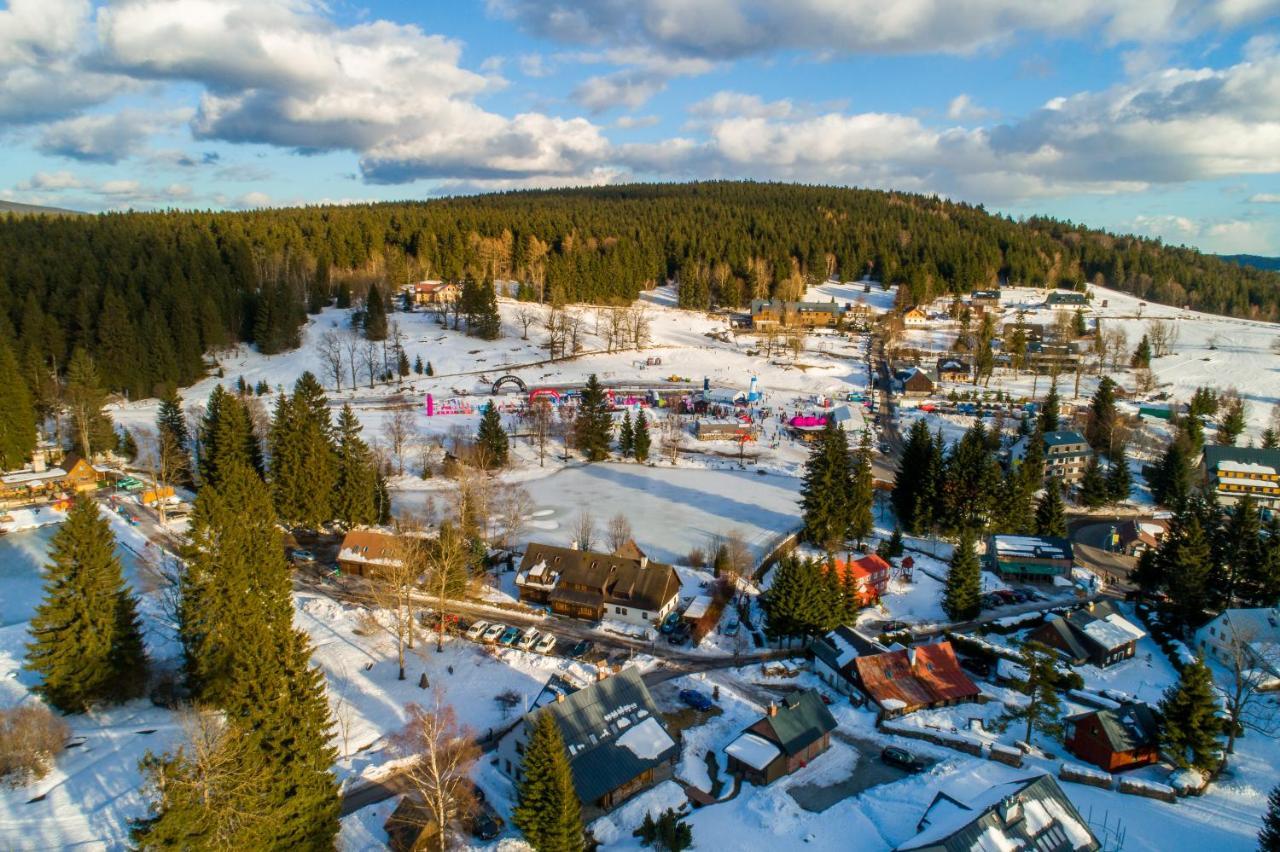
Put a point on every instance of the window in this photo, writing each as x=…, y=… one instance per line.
x=519, y=748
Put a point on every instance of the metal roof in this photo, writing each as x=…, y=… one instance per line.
x=1130, y=727
x=1214, y=456
x=801, y=720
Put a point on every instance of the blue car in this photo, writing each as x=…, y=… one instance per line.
x=670, y=622
x=696, y=700
x=509, y=636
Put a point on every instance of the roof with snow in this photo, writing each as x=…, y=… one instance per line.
x=839, y=648
x=1030, y=547
x=753, y=750
x=1241, y=460
x=1031, y=813
x=1063, y=437
x=1130, y=727
x=799, y=721
x=918, y=677
x=594, y=721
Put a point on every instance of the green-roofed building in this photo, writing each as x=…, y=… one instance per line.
x=788, y=737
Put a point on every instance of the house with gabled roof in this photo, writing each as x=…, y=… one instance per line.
x=910, y=679
x=788, y=737
x=1031, y=814
x=1249, y=635
x=834, y=654
x=584, y=584
x=1029, y=558
x=1097, y=633
x=1065, y=298
x=1236, y=472
x=617, y=741
x=1115, y=738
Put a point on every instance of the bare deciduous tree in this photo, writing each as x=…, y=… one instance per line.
x=1250, y=667
x=353, y=344
x=672, y=436
x=444, y=752
x=555, y=328
x=541, y=420
x=371, y=354
x=737, y=558
x=30, y=738
x=330, y=348
x=511, y=509
x=619, y=532
x=1162, y=335
x=398, y=430
x=584, y=530
x=526, y=315
x=639, y=326
x=573, y=328
x=1116, y=344
x=392, y=585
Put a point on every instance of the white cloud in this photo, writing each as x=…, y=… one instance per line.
x=633, y=122
x=963, y=108
x=51, y=181
x=106, y=138
x=251, y=200
x=629, y=89
x=1265, y=198
x=735, y=28
x=740, y=105
x=1231, y=236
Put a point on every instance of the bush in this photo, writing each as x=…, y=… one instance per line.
x=30, y=737
x=696, y=558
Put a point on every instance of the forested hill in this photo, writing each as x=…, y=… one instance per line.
x=1256, y=261
x=148, y=293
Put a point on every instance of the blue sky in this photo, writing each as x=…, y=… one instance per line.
x=1160, y=118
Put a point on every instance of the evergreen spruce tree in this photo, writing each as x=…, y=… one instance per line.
x=1142, y=355
x=492, y=439
x=1231, y=420
x=972, y=481
x=1171, y=482
x=1242, y=548
x=1100, y=428
x=17, y=413
x=962, y=593
x=1093, y=485
x=1270, y=438
x=174, y=440
x=1260, y=585
x=1040, y=685
x=1050, y=517
x=227, y=437
x=640, y=439
x=430, y=371
x=626, y=437
x=1049, y=410
x=547, y=810
x=1188, y=568
x=1269, y=837
x=303, y=456
x=356, y=495
x=1015, y=505
x=912, y=468
x=1119, y=479
x=861, y=492
x=895, y=543
x=594, y=425
x=375, y=314
x=417, y=365
x=343, y=300
x=824, y=496
x=488, y=322
x=402, y=363
x=1189, y=723
x=87, y=639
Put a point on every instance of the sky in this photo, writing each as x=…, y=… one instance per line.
x=1158, y=117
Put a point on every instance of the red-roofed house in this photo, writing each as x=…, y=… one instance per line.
x=913, y=679
x=870, y=576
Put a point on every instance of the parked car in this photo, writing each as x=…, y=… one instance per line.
x=669, y=623
x=697, y=700
x=1006, y=595
x=731, y=629
x=492, y=632
x=304, y=555
x=992, y=601
x=529, y=638
x=977, y=665
x=486, y=824
x=679, y=636
x=902, y=759
x=546, y=644
x=509, y=636
x=475, y=631
x=894, y=626
x=581, y=649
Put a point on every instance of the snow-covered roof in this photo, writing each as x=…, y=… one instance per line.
x=647, y=740
x=698, y=608
x=27, y=477
x=1112, y=632
x=1039, y=547
x=753, y=750
x=1245, y=467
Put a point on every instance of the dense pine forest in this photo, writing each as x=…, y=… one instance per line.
x=147, y=294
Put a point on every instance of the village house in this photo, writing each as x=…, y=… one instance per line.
x=1234, y=472
x=787, y=738
x=952, y=369
x=1065, y=298
x=365, y=551
x=870, y=577
x=1026, y=814
x=834, y=653
x=1029, y=558
x=1114, y=739
x=726, y=430
x=1095, y=633
x=1136, y=536
x=1250, y=635
x=776, y=313
x=435, y=292
x=985, y=298
x=911, y=679
x=595, y=586
x=1031, y=331
x=913, y=382
x=916, y=317
x=1046, y=358
x=1066, y=454
x=617, y=741
x=41, y=484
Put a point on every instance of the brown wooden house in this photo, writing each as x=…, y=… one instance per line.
x=787, y=738
x=594, y=586
x=364, y=551
x=1115, y=739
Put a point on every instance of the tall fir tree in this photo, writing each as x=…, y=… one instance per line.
x=547, y=809
x=417, y=365
x=1119, y=479
x=824, y=495
x=375, y=314
x=492, y=439
x=1269, y=837
x=1050, y=514
x=355, y=499
x=1040, y=685
x=912, y=468
x=1189, y=723
x=17, y=413
x=86, y=636
x=861, y=491
x=1188, y=568
x=1231, y=421
x=1260, y=584
x=1141, y=359
x=1171, y=482
x=641, y=440
x=1099, y=430
x=971, y=481
x=1049, y=410
x=1093, y=485
x=626, y=436
x=174, y=440
x=227, y=437
x=962, y=592
x=487, y=321
x=303, y=456
x=593, y=428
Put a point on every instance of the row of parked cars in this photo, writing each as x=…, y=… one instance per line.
x=1006, y=597
x=530, y=639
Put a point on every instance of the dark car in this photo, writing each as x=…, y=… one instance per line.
x=581, y=649
x=486, y=824
x=894, y=626
x=697, y=700
x=669, y=623
x=977, y=665
x=992, y=601
x=902, y=759
x=679, y=635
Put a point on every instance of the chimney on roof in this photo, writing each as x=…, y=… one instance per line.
x=773, y=710
x=644, y=561
x=559, y=697
x=573, y=545
x=601, y=673
x=911, y=657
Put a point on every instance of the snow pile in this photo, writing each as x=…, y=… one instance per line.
x=1188, y=781
x=647, y=740
x=1082, y=771
x=616, y=827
